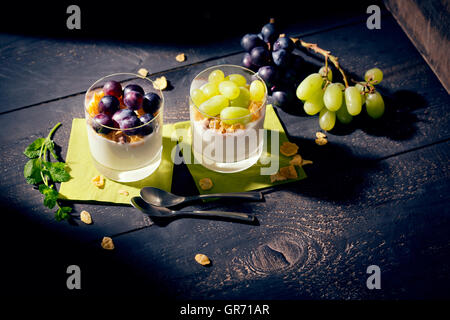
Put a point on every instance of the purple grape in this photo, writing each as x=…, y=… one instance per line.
x=133, y=87
x=121, y=114
x=297, y=62
x=108, y=104
x=282, y=98
x=101, y=120
x=247, y=61
x=281, y=58
x=269, y=32
x=151, y=102
x=133, y=100
x=260, y=56
x=112, y=88
x=283, y=43
x=250, y=41
x=147, y=129
x=269, y=74
x=127, y=124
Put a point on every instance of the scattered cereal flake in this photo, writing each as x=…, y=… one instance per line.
x=289, y=172
x=107, y=243
x=205, y=183
x=124, y=192
x=180, y=57
x=321, y=141
x=320, y=135
x=288, y=148
x=296, y=160
x=98, y=181
x=160, y=83
x=277, y=177
x=304, y=162
x=295, y=40
x=202, y=259
x=143, y=72
x=85, y=217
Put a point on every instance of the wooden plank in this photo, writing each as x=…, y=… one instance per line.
x=426, y=24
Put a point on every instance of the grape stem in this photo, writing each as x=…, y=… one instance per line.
x=327, y=55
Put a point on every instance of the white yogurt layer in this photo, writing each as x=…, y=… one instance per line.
x=125, y=156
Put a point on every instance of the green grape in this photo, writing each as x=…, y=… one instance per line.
x=361, y=91
x=210, y=89
x=332, y=97
x=353, y=100
x=243, y=100
x=216, y=76
x=232, y=115
x=340, y=85
x=375, y=105
x=374, y=75
x=314, y=104
x=214, y=105
x=257, y=90
x=229, y=89
x=329, y=74
x=342, y=114
x=198, y=97
x=237, y=78
x=327, y=119
x=309, y=86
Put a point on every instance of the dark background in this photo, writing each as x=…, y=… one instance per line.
x=168, y=21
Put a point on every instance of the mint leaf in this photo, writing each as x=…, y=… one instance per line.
x=51, y=195
x=51, y=147
x=57, y=171
x=32, y=171
x=63, y=213
x=32, y=151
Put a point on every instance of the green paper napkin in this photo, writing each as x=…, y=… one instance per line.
x=251, y=178
x=82, y=170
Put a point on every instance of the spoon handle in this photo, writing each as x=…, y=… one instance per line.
x=233, y=195
x=224, y=214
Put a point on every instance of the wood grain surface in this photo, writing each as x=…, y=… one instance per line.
x=377, y=193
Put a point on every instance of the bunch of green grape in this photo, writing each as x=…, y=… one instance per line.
x=334, y=100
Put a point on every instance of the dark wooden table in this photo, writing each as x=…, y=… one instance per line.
x=377, y=194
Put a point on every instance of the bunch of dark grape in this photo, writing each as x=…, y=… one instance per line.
x=271, y=55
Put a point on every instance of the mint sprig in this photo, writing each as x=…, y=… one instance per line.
x=41, y=172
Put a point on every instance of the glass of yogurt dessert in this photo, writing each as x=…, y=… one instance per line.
x=124, y=116
x=227, y=110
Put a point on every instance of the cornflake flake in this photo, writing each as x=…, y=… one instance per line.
x=180, y=57
x=143, y=72
x=289, y=172
x=296, y=160
x=98, y=181
x=205, y=183
x=202, y=259
x=288, y=148
x=160, y=83
x=86, y=217
x=124, y=192
x=321, y=141
x=320, y=135
x=107, y=243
